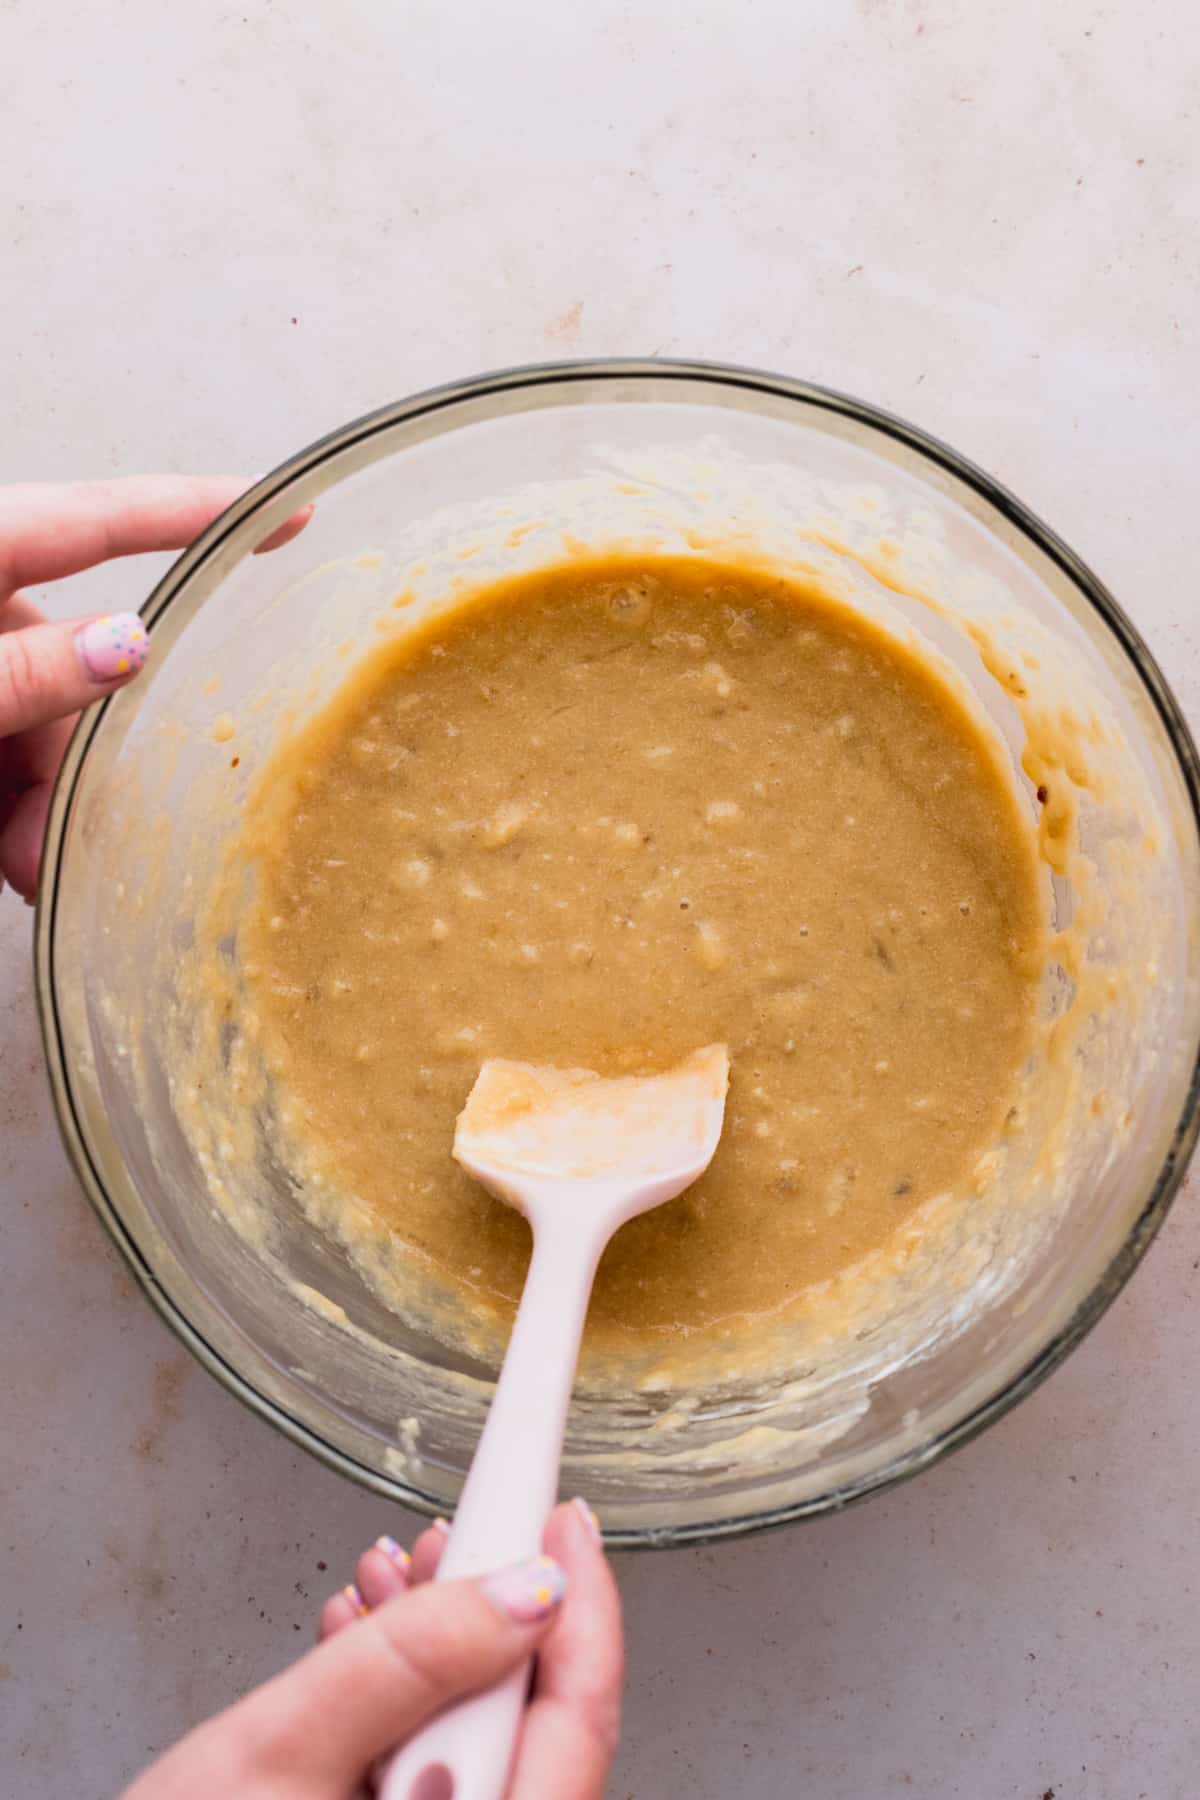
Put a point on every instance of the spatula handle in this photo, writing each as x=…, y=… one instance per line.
x=466, y=1753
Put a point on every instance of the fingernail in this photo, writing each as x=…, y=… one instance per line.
x=442, y=1525
x=356, y=1600
x=113, y=646
x=588, y=1516
x=391, y=1548
x=528, y=1593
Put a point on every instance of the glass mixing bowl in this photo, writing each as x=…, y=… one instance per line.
x=496, y=475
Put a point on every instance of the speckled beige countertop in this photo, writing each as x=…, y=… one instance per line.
x=228, y=228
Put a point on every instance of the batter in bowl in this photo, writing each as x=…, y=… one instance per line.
x=600, y=816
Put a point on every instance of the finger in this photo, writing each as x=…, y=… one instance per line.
x=48, y=531
x=427, y=1551
x=50, y=671
x=33, y=756
x=574, y=1717
x=287, y=531
x=325, y=1720
x=28, y=765
x=383, y=1571
x=340, y=1610
x=19, y=611
x=22, y=833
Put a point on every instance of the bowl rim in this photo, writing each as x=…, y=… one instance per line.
x=444, y=397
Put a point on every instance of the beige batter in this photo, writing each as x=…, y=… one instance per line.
x=601, y=816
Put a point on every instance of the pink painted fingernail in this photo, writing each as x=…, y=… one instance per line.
x=588, y=1516
x=529, y=1592
x=356, y=1600
x=442, y=1525
x=395, y=1551
x=113, y=646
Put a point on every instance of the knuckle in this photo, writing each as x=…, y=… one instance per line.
x=428, y=1661
x=23, y=682
x=602, y=1717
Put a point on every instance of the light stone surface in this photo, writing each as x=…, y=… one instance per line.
x=227, y=228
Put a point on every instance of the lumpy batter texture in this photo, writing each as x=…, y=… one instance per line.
x=602, y=816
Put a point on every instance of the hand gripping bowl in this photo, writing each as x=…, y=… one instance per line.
x=503, y=470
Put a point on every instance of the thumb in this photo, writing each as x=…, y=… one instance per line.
x=49, y=671
x=324, y=1721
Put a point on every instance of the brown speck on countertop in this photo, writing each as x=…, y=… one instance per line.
x=169, y=1377
x=565, y=328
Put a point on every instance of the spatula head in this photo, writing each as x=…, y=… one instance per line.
x=648, y=1135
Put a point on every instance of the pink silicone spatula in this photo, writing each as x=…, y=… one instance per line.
x=578, y=1155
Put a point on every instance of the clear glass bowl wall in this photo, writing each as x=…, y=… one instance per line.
x=492, y=476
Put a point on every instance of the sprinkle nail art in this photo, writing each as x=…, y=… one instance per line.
x=356, y=1600
x=394, y=1551
x=113, y=646
x=528, y=1593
